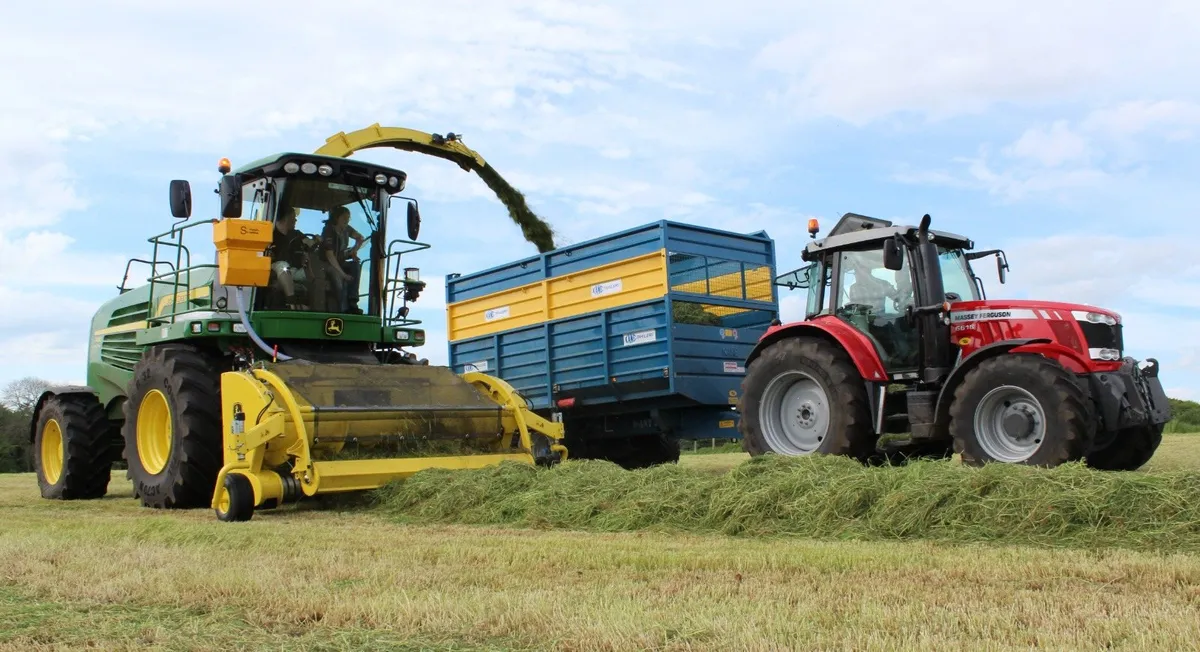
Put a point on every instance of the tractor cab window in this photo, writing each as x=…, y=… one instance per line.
x=956, y=275
x=321, y=256
x=874, y=300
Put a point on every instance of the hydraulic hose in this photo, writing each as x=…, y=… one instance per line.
x=250, y=330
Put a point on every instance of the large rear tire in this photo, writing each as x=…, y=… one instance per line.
x=1020, y=408
x=172, y=428
x=1129, y=450
x=72, y=453
x=802, y=396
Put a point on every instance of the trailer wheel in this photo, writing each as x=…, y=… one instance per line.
x=71, y=448
x=1020, y=409
x=172, y=428
x=236, y=500
x=804, y=396
x=1129, y=450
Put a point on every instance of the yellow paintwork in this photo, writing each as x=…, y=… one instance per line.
x=154, y=432
x=279, y=425
x=53, y=451
x=625, y=282
x=240, y=252
x=202, y=292
x=343, y=145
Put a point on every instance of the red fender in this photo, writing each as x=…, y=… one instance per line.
x=856, y=345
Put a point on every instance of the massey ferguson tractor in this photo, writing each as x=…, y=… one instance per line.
x=901, y=355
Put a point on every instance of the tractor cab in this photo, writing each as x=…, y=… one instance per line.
x=327, y=266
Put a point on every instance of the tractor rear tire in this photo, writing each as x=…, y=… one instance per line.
x=1129, y=450
x=72, y=452
x=802, y=396
x=172, y=428
x=1021, y=408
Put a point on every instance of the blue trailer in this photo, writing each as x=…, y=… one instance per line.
x=633, y=340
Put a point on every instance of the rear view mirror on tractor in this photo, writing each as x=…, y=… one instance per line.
x=414, y=221
x=181, y=199
x=893, y=255
x=230, y=191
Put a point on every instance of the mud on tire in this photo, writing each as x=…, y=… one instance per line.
x=187, y=381
x=831, y=417
x=74, y=427
x=1016, y=386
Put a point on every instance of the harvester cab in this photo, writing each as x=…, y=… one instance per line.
x=901, y=354
x=281, y=371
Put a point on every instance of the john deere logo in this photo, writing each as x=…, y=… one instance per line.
x=333, y=326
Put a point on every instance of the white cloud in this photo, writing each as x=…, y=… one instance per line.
x=1050, y=147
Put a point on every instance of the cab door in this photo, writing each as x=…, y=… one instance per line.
x=875, y=300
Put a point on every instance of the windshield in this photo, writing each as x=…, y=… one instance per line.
x=956, y=275
x=321, y=256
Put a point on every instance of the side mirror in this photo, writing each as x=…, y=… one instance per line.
x=414, y=221
x=1001, y=269
x=181, y=199
x=230, y=192
x=893, y=254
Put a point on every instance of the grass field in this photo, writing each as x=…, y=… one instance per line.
x=110, y=575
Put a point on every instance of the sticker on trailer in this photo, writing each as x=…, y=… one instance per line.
x=992, y=315
x=496, y=313
x=640, y=337
x=727, y=423
x=729, y=333
x=609, y=287
x=734, y=368
x=475, y=366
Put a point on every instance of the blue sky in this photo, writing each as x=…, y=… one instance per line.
x=1067, y=136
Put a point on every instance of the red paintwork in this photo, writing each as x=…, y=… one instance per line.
x=861, y=351
x=970, y=336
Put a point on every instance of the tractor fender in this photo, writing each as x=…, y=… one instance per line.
x=970, y=362
x=57, y=390
x=854, y=343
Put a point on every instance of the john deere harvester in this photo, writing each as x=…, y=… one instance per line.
x=281, y=371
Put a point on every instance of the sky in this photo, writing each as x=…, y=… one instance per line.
x=1064, y=132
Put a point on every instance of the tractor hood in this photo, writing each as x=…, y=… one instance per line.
x=1034, y=309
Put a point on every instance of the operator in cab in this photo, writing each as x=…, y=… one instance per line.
x=342, y=262
x=288, y=258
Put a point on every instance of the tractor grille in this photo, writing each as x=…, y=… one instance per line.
x=1102, y=336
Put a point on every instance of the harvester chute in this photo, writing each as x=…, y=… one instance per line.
x=451, y=148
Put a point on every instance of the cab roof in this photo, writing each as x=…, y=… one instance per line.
x=853, y=230
x=272, y=166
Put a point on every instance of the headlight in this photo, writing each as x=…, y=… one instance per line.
x=381, y=179
x=325, y=170
x=1097, y=318
x=1110, y=355
x=402, y=335
x=393, y=182
x=309, y=168
x=292, y=167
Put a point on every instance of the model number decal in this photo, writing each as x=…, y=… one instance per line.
x=992, y=315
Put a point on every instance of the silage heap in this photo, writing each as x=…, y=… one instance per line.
x=823, y=497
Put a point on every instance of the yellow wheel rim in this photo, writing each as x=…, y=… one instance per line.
x=52, y=451
x=154, y=432
x=223, y=501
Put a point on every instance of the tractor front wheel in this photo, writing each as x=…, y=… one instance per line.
x=1129, y=450
x=803, y=396
x=1020, y=409
x=71, y=448
x=172, y=428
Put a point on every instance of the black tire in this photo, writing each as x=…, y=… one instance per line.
x=1067, y=426
x=82, y=430
x=849, y=431
x=1129, y=450
x=189, y=382
x=240, y=494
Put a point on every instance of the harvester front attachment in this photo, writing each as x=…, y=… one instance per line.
x=297, y=429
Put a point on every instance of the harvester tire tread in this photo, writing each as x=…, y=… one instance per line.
x=1070, y=422
x=1129, y=451
x=87, y=460
x=851, y=432
x=190, y=382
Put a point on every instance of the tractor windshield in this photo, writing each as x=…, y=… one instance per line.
x=322, y=257
x=956, y=275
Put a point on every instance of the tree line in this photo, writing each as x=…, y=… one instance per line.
x=19, y=397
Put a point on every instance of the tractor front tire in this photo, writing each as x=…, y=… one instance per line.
x=1021, y=408
x=71, y=449
x=802, y=396
x=172, y=428
x=1129, y=450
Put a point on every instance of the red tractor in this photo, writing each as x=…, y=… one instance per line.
x=899, y=338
